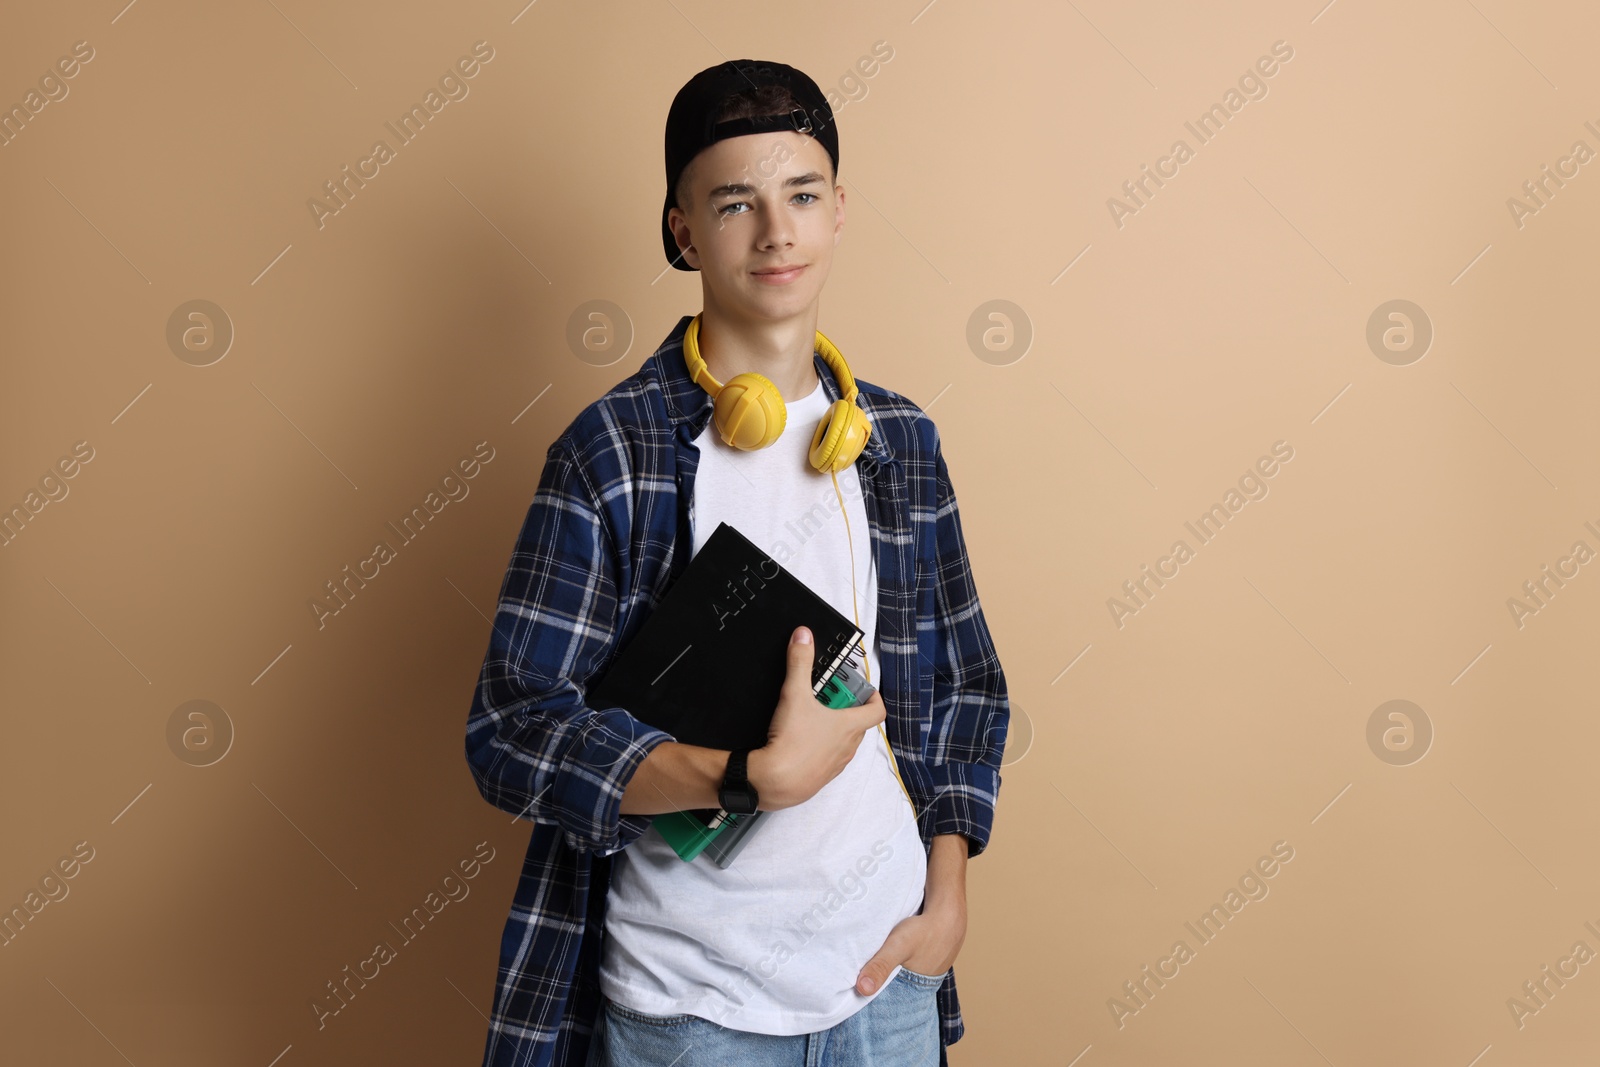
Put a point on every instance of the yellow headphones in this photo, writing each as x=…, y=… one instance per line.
x=749, y=413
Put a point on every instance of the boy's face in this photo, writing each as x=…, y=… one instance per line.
x=755, y=203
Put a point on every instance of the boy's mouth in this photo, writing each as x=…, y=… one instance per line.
x=779, y=275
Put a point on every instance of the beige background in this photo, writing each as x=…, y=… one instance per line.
x=1150, y=765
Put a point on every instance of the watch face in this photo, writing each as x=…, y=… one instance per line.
x=738, y=801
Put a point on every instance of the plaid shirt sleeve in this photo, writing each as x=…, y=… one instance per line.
x=971, y=708
x=534, y=747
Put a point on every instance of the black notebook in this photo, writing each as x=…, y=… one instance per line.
x=708, y=665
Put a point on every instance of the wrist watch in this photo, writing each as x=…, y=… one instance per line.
x=737, y=794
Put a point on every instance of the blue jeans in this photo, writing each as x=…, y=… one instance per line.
x=898, y=1028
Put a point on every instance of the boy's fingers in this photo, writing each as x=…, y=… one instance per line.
x=872, y=712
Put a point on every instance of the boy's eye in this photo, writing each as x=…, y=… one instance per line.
x=728, y=208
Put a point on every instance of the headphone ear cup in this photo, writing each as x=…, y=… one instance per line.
x=750, y=412
x=839, y=437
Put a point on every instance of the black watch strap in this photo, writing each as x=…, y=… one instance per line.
x=738, y=794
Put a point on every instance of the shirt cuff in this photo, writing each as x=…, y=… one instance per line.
x=964, y=796
x=595, y=770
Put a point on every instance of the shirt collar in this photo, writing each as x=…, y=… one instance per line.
x=688, y=402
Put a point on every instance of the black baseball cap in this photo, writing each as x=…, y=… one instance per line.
x=690, y=125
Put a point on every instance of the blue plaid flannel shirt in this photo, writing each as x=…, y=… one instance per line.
x=605, y=535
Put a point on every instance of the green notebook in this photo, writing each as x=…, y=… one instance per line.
x=687, y=835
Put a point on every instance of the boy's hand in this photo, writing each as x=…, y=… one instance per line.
x=808, y=744
x=926, y=943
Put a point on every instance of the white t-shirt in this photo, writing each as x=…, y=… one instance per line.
x=774, y=944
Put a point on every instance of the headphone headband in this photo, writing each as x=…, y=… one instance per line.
x=825, y=348
x=750, y=413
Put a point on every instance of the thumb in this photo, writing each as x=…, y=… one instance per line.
x=886, y=959
x=872, y=711
x=801, y=653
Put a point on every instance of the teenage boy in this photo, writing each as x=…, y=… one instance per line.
x=834, y=932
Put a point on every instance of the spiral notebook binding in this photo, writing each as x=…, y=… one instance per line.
x=850, y=656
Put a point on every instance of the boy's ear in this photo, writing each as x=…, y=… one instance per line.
x=689, y=254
